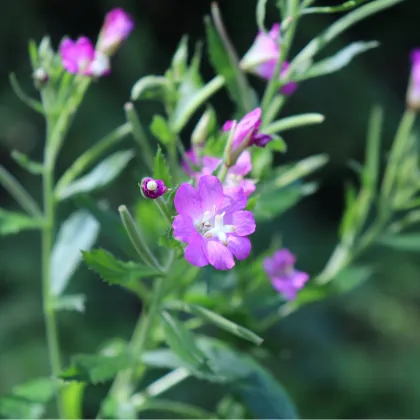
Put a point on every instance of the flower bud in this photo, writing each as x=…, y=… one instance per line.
x=116, y=28
x=413, y=92
x=203, y=127
x=40, y=77
x=152, y=188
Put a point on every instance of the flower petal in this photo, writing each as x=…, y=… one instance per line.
x=234, y=202
x=183, y=227
x=210, y=191
x=243, y=165
x=240, y=247
x=244, y=223
x=285, y=287
x=195, y=251
x=219, y=256
x=187, y=201
x=246, y=127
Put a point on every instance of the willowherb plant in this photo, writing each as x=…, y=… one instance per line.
x=210, y=198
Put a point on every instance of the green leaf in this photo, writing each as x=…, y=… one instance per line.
x=78, y=232
x=20, y=93
x=161, y=170
x=277, y=145
x=12, y=222
x=261, y=8
x=218, y=320
x=182, y=343
x=273, y=203
x=252, y=202
x=294, y=121
x=33, y=53
x=27, y=400
x=225, y=62
x=100, y=176
x=35, y=168
x=95, y=368
x=263, y=395
x=402, y=242
x=150, y=87
x=114, y=271
x=168, y=241
x=338, y=60
x=70, y=303
x=160, y=129
x=348, y=5
x=337, y=28
x=179, y=60
x=351, y=277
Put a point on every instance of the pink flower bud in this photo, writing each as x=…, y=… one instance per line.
x=116, y=28
x=152, y=188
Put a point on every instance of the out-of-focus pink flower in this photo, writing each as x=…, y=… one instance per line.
x=116, y=28
x=214, y=226
x=235, y=177
x=80, y=57
x=153, y=188
x=247, y=129
x=262, y=57
x=413, y=92
x=283, y=276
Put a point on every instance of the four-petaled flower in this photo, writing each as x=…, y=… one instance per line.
x=116, y=28
x=214, y=226
x=153, y=188
x=262, y=57
x=235, y=177
x=283, y=276
x=80, y=57
x=413, y=92
x=247, y=130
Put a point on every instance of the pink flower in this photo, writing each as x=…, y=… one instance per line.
x=283, y=276
x=116, y=28
x=153, y=188
x=80, y=57
x=247, y=129
x=262, y=57
x=235, y=177
x=413, y=93
x=212, y=224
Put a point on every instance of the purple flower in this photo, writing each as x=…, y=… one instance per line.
x=283, y=276
x=235, y=176
x=262, y=57
x=247, y=129
x=80, y=57
x=413, y=93
x=212, y=224
x=153, y=188
x=116, y=28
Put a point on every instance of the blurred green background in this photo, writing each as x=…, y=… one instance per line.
x=353, y=356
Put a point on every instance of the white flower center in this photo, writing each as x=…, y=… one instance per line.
x=215, y=228
x=152, y=185
x=233, y=180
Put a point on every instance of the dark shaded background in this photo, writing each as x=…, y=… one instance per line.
x=355, y=356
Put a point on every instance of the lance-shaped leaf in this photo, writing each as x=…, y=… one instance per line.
x=27, y=401
x=218, y=320
x=260, y=12
x=161, y=130
x=12, y=222
x=114, y=271
x=345, y=7
x=78, y=232
x=100, y=176
x=401, y=242
x=150, y=87
x=95, y=368
x=338, y=60
x=161, y=169
x=70, y=303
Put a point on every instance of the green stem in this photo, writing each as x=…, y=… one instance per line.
x=16, y=190
x=48, y=299
x=124, y=383
x=139, y=135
